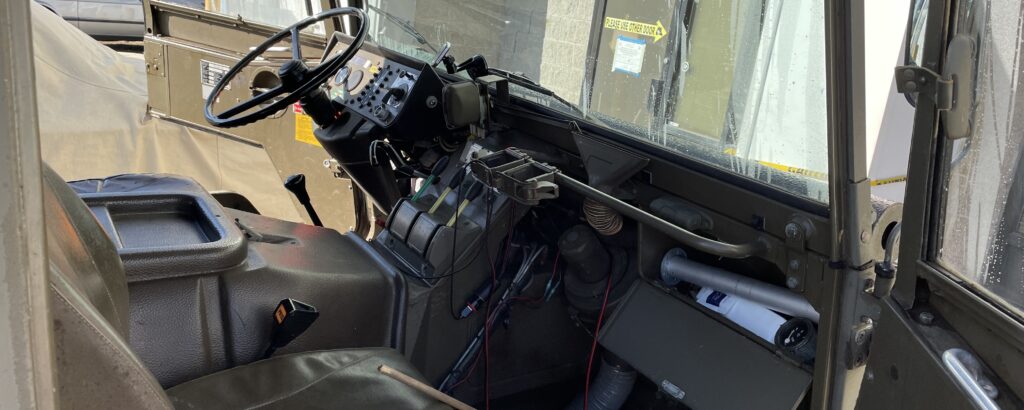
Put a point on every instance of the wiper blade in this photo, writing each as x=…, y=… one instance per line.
x=405, y=25
x=529, y=84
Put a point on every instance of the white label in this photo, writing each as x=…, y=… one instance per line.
x=629, y=55
x=210, y=73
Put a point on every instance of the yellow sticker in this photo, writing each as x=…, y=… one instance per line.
x=304, y=126
x=656, y=31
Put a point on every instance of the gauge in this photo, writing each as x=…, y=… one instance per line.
x=354, y=80
x=342, y=76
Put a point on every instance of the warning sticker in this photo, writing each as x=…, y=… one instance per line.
x=655, y=31
x=303, y=126
x=629, y=55
x=210, y=74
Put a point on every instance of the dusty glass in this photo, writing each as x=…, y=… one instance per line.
x=982, y=231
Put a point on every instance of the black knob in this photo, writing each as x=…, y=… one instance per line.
x=398, y=93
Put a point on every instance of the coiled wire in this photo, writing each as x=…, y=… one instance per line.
x=604, y=220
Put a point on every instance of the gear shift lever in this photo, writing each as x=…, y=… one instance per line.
x=297, y=185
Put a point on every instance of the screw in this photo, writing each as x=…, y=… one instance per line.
x=792, y=230
x=926, y=318
x=865, y=236
x=792, y=282
x=859, y=337
x=794, y=264
x=990, y=390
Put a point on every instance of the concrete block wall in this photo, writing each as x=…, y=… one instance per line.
x=566, y=38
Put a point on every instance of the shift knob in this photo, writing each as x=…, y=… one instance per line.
x=296, y=184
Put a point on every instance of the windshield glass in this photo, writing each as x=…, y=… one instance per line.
x=737, y=84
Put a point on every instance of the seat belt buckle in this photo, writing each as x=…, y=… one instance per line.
x=291, y=319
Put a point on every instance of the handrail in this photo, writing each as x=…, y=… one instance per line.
x=725, y=250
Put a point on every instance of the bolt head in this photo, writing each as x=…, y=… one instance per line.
x=792, y=230
x=926, y=318
x=792, y=282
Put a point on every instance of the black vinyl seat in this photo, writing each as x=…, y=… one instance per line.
x=96, y=368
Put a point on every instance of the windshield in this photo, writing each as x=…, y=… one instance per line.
x=737, y=84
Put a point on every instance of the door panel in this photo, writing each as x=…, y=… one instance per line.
x=952, y=334
x=185, y=45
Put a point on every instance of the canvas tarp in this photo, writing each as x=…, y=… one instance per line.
x=93, y=122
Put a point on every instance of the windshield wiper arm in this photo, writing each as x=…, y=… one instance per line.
x=405, y=25
x=529, y=84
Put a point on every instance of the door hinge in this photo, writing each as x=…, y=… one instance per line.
x=859, y=343
x=914, y=79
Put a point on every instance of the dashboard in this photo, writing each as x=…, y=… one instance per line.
x=404, y=99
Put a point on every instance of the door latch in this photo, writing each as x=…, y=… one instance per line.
x=953, y=90
x=913, y=79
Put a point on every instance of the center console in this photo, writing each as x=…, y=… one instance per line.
x=204, y=280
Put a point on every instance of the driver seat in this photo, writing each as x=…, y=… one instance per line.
x=95, y=368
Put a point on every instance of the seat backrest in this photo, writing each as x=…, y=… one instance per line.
x=95, y=366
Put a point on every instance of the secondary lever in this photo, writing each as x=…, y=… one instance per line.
x=296, y=184
x=474, y=191
x=436, y=171
x=453, y=184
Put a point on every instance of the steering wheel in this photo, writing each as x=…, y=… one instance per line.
x=297, y=79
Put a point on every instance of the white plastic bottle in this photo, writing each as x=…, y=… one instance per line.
x=758, y=319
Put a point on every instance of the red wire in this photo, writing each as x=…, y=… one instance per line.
x=593, y=346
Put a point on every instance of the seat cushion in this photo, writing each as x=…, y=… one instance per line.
x=334, y=379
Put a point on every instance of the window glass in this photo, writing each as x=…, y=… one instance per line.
x=735, y=83
x=278, y=13
x=982, y=235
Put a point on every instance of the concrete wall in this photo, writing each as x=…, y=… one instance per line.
x=566, y=37
x=544, y=39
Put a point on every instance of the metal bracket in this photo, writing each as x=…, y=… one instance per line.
x=857, y=347
x=798, y=230
x=912, y=79
x=156, y=60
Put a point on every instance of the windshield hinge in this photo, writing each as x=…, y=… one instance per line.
x=912, y=79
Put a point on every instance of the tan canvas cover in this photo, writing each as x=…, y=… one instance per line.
x=93, y=122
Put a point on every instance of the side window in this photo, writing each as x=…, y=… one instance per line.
x=981, y=238
x=278, y=13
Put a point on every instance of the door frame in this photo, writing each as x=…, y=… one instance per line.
x=929, y=306
x=27, y=348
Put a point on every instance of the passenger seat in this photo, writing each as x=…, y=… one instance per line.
x=96, y=368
